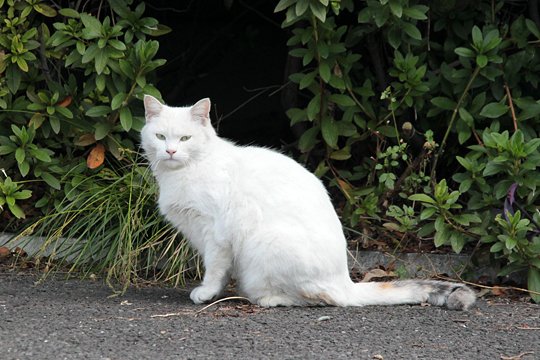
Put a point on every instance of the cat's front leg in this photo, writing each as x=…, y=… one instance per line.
x=218, y=266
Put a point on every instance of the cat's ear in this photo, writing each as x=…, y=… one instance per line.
x=201, y=111
x=152, y=107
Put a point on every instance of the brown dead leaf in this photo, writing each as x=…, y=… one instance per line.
x=345, y=187
x=96, y=156
x=377, y=273
x=4, y=252
x=20, y=252
x=85, y=140
x=498, y=291
x=66, y=102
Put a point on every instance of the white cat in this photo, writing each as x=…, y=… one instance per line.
x=260, y=217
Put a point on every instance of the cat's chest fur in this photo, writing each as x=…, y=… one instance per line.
x=193, y=202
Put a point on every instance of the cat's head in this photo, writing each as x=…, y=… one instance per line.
x=173, y=137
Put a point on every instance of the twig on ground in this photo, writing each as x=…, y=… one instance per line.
x=221, y=300
x=170, y=314
x=517, y=357
x=491, y=287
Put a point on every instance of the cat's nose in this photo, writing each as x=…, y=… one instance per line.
x=171, y=152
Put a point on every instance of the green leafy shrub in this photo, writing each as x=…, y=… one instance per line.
x=68, y=81
x=397, y=90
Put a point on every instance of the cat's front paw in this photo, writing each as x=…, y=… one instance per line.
x=203, y=294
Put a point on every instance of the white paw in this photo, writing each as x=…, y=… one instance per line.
x=202, y=294
x=273, y=301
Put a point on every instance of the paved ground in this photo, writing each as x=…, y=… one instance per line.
x=73, y=319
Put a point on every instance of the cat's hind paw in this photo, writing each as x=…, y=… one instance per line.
x=203, y=294
x=276, y=300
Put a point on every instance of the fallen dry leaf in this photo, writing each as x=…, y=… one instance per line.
x=4, y=252
x=20, y=252
x=96, y=156
x=377, y=273
x=498, y=291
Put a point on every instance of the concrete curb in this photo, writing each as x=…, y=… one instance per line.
x=411, y=265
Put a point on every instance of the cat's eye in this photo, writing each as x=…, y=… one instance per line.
x=185, y=138
x=160, y=136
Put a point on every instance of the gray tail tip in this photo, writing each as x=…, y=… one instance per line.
x=461, y=298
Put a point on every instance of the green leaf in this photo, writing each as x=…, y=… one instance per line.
x=301, y=7
x=24, y=168
x=444, y=103
x=466, y=117
x=441, y=236
x=117, y=100
x=67, y=12
x=497, y=247
x=51, y=180
x=159, y=29
x=342, y=100
x=102, y=130
x=45, y=10
x=313, y=107
x=126, y=120
x=101, y=60
x=396, y=8
x=55, y=124
x=417, y=12
x=329, y=131
x=283, y=4
x=7, y=149
x=533, y=283
x=324, y=71
x=342, y=154
x=318, y=10
x=22, y=195
x=64, y=111
x=531, y=26
x=510, y=242
x=98, y=111
x=422, y=198
x=465, y=52
x=296, y=115
x=477, y=37
x=427, y=213
x=90, y=53
x=492, y=169
x=23, y=65
x=92, y=26
x=13, y=78
x=20, y=155
x=494, y=110
x=481, y=60
x=17, y=211
x=457, y=242
x=41, y=155
x=307, y=80
x=411, y=30
x=308, y=139
x=530, y=108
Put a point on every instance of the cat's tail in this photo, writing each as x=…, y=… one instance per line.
x=454, y=296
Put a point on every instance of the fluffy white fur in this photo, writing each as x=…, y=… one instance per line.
x=260, y=217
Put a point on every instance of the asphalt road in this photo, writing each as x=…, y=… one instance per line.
x=73, y=319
